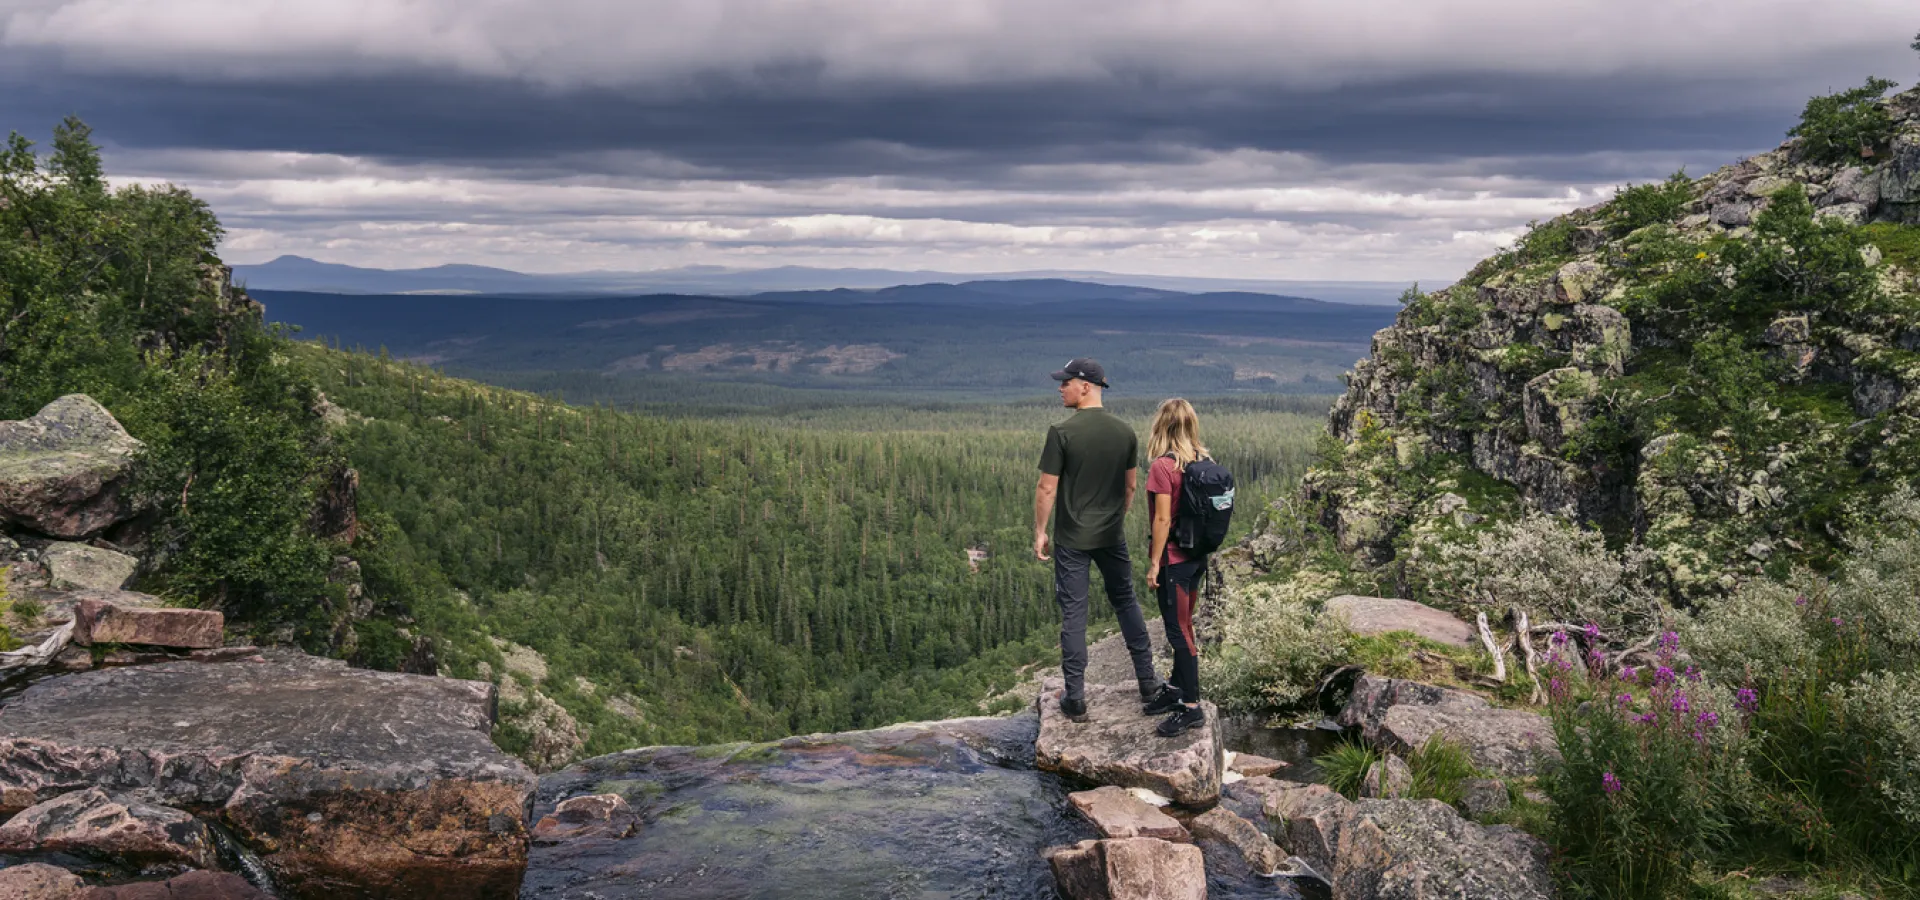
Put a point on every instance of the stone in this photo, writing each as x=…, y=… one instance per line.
x=1853, y=186
x=1847, y=213
x=63, y=470
x=39, y=881
x=1117, y=813
x=123, y=829
x=1430, y=851
x=73, y=566
x=190, y=886
x=592, y=816
x=1250, y=766
x=1384, y=615
x=1733, y=214
x=1129, y=869
x=1399, y=715
x=336, y=515
x=1323, y=829
x=1555, y=405
x=1390, y=778
x=1483, y=796
x=1261, y=854
x=1116, y=745
x=1575, y=282
x=345, y=782
x=100, y=621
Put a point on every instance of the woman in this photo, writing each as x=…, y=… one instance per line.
x=1173, y=574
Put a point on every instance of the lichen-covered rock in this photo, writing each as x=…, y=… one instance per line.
x=72, y=566
x=1115, y=745
x=1481, y=796
x=1400, y=715
x=1388, y=779
x=39, y=881
x=1556, y=405
x=553, y=737
x=1129, y=869
x=62, y=471
x=347, y=783
x=123, y=829
x=1383, y=615
x=1261, y=854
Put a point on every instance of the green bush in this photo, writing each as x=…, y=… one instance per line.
x=1273, y=646
x=1846, y=126
x=1542, y=564
x=1651, y=774
x=1638, y=205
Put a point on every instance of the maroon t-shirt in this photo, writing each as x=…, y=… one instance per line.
x=1165, y=477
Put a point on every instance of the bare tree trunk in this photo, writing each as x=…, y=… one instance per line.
x=1526, y=651
x=1498, y=652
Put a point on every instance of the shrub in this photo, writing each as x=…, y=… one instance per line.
x=1884, y=709
x=1652, y=772
x=1273, y=647
x=1847, y=125
x=1638, y=205
x=1440, y=769
x=1543, y=564
x=1346, y=766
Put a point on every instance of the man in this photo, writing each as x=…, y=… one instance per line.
x=1086, y=485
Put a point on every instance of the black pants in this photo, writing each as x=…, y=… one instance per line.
x=1179, y=590
x=1070, y=580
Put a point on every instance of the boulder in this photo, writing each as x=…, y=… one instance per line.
x=592, y=816
x=1117, y=745
x=1129, y=869
x=1117, y=813
x=102, y=621
x=1481, y=796
x=62, y=471
x=1261, y=854
x=39, y=881
x=123, y=829
x=1382, y=615
x=347, y=783
x=1322, y=828
x=1248, y=765
x=1389, y=778
x=72, y=566
x=1399, y=715
x=190, y=886
x=1554, y=405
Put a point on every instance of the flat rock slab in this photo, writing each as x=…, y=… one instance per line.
x=99, y=621
x=1250, y=766
x=1117, y=745
x=62, y=470
x=1400, y=715
x=1117, y=813
x=1129, y=869
x=1383, y=615
x=348, y=783
x=125, y=830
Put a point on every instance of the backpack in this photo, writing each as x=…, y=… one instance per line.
x=1205, y=509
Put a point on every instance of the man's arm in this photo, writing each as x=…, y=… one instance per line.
x=1042, y=511
x=1127, y=506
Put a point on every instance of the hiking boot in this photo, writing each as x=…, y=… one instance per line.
x=1186, y=719
x=1075, y=709
x=1164, y=700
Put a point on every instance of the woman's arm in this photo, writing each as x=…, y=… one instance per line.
x=1162, y=506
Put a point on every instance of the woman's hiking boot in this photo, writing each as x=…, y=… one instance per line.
x=1186, y=719
x=1162, y=701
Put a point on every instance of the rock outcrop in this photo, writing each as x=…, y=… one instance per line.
x=63, y=470
x=72, y=566
x=125, y=830
x=1400, y=715
x=1118, y=746
x=347, y=783
x=1385, y=615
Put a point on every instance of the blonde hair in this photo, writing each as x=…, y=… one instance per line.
x=1176, y=430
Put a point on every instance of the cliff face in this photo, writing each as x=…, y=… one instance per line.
x=1721, y=369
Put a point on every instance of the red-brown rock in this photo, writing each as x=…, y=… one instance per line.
x=593, y=816
x=1119, y=814
x=125, y=830
x=1129, y=869
x=105, y=622
x=39, y=881
x=190, y=886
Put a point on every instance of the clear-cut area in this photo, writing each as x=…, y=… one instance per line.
x=63, y=470
x=346, y=783
x=1399, y=715
x=1115, y=744
x=1385, y=615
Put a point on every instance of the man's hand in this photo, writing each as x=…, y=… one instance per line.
x=1153, y=576
x=1040, y=546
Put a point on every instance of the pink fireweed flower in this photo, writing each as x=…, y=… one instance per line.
x=1838, y=622
x=1692, y=674
x=1747, y=699
x=1559, y=639
x=1646, y=718
x=1669, y=644
x=1593, y=633
x=1800, y=600
x=1555, y=687
x=1663, y=676
x=1709, y=718
x=1630, y=673
x=1624, y=700
x=1681, y=703
x=1610, y=783
x=1699, y=737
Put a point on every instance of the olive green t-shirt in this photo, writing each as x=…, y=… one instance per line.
x=1091, y=451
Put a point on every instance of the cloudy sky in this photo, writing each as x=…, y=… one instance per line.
x=1332, y=139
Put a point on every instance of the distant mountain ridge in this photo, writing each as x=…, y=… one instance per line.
x=297, y=273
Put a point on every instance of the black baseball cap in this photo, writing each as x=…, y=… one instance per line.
x=1083, y=369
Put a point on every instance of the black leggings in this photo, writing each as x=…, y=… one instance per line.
x=1179, y=590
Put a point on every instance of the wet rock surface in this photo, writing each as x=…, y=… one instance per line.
x=1399, y=715
x=945, y=809
x=62, y=471
x=1117, y=745
x=190, y=886
x=347, y=783
x=593, y=816
x=1117, y=813
x=1382, y=615
x=125, y=830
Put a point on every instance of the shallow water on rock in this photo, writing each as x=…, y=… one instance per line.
x=1296, y=746
x=945, y=810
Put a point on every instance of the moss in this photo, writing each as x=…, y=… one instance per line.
x=1899, y=244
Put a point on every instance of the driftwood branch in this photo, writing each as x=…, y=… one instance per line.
x=41, y=653
x=1499, y=653
x=1526, y=650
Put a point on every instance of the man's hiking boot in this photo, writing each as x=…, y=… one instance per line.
x=1186, y=719
x=1164, y=700
x=1073, y=709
